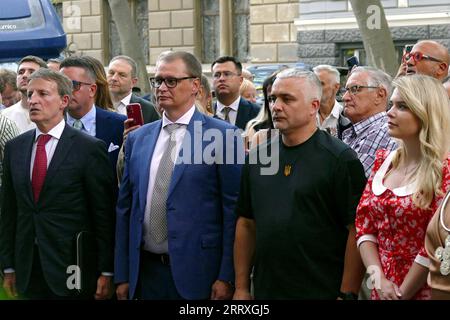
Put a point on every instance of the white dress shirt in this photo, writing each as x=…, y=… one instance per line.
x=50, y=147
x=121, y=107
x=233, y=112
x=331, y=122
x=160, y=147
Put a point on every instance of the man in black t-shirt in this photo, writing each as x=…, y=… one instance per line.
x=296, y=227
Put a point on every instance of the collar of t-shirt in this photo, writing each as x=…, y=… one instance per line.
x=88, y=121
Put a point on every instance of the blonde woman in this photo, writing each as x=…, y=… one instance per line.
x=248, y=91
x=405, y=188
x=204, y=97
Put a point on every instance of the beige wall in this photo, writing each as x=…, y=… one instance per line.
x=173, y=26
x=273, y=35
x=84, y=24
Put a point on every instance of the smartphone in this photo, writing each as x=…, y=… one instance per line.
x=352, y=61
x=134, y=111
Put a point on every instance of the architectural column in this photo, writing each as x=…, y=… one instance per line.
x=226, y=28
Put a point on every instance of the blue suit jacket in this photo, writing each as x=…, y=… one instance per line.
x=200, y=210
x=109, y=128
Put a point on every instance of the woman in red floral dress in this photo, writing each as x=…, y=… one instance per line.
x=405, y=188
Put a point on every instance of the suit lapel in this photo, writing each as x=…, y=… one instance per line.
x=188, y=141
x=26, y=165
x=242, y=115
x=62, y=150
x=145, y=159
x=101, y=126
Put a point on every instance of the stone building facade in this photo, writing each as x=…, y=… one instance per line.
x=263, y=31
x=328, y=32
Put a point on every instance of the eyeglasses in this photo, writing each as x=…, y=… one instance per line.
x=355, y=89
x=170, y=82
x=225, y=74
x=418, y=56
x=77, y=84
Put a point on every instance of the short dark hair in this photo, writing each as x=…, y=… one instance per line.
x=193, y=66
x=224, y=59
x=79, y=62
x=34, y=59
x=63, y=84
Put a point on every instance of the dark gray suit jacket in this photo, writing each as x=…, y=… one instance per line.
x=77, y=195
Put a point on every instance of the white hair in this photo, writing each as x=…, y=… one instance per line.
x=310, y=77
x=330, y=69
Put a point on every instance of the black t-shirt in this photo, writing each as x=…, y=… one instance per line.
x=301, y=215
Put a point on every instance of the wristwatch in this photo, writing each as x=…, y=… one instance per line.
x=348, y=296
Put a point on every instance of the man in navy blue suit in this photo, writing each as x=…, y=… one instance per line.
x=84, y=115
x=230, y=106
x=175, y=218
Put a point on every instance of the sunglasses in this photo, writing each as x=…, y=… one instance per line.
x=77, y=84
x=418, y=56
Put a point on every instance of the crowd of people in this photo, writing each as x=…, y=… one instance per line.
x=221, y=198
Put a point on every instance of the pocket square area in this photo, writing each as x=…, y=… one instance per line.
x=112, y=147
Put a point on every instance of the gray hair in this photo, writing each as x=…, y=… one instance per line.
x=376, y=78
x=130, y=62
x=309, y=76
x=63, y=83
x=330, y=69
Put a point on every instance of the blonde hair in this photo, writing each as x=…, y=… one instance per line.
x=246, y=84
x=428, y=101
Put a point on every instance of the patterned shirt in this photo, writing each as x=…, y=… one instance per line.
x=8, y=130
x=368, y=136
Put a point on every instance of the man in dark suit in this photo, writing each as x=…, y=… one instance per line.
x=230, y=106
x=82, y=112
x=56, y=184
x=122, y=77
x=175, y=222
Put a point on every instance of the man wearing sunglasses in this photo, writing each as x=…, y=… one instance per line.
x=426, y=57
x=84, y=115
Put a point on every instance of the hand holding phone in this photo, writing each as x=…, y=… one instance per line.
x=134, y=111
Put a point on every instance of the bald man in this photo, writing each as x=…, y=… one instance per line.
x=429, y=58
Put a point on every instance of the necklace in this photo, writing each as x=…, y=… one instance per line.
x=443, y=253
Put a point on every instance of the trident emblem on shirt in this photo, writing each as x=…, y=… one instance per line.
x=287, y=170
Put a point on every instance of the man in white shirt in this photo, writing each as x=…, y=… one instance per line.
x=19, y=112
x=178, y=216
x=122, y=77
x=330, y=110
x=230, y=106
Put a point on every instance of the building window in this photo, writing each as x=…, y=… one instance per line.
x=357, y=50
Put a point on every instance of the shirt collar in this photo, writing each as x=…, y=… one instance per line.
x=126, y=101
x=185, y=119
x=88, y=119
x=364, y=124
x=234, y=106
x=337, y=108
x=55, y=132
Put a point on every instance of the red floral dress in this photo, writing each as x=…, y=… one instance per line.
x=390, y=219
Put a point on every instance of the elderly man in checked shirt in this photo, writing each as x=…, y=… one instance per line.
x=366, y=97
